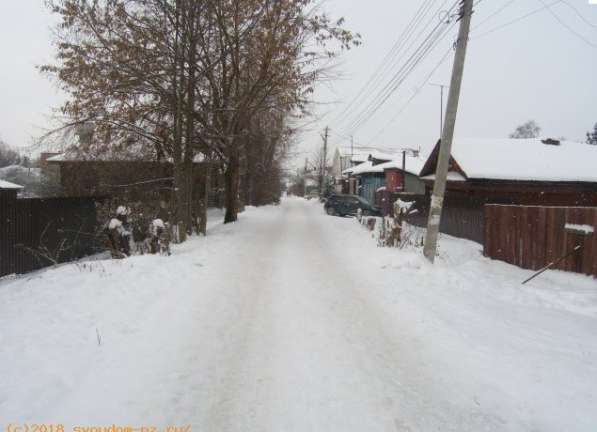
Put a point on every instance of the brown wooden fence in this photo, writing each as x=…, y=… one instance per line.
x=35, y=233
x=462, y=216
x=531, y=237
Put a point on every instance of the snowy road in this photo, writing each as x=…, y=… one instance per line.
x=294, y=321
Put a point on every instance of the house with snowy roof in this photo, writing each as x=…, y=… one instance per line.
x=9, y=190
x=398, y=175
x=520, y=171
x=349, y=157
x=132, y=175
x=539, y=171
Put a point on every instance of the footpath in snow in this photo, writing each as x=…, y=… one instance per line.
x=291, y=320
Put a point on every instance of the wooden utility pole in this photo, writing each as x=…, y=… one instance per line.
x=324, y=161
x=441, y=171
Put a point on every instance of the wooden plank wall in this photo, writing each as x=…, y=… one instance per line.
x=462, y=217
x=32, y=226
x=7, y=231
x=531, y=237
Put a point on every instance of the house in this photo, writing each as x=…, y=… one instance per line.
x=129, y=177
x=520, y=171
x=349, y=157
x=366, y=178
x=401, y=180
x=8, y=190
x=511, y=171
x=380, y=180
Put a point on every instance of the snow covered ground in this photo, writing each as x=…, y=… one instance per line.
x=291, y=320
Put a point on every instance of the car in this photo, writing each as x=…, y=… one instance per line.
x=312, y=195
x=349, y=205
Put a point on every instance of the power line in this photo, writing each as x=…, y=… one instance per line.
x=428, y=44
x=501, y=9
x=565, y=25
x=408, y=36
x=581, y=16
x=390, y=56
x=415, y=94
x=390, y=87
x=518, y=19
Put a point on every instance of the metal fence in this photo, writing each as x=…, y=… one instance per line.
x=35, y=233
x=532, y=237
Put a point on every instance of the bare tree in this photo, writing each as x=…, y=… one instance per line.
x=8, y=156
x=528, y=130
x=592, y=136
x=171, y=78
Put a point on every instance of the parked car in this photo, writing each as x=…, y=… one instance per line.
x=349, y=205
x=312, y=195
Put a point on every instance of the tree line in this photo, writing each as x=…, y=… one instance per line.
x=223, y=80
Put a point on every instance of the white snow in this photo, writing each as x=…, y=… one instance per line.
x=122, y=211
x=291, y=320
x=525, y=159
x=586, y=229
x=413, y=164
x=8, y=185
x=452, y=176
x=116, y=156
x=404, y=206
x=158, y=223
x=361, y=154
x=114, y=224
x=364, y=168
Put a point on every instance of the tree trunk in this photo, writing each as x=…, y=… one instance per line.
x=232, y=178
x=180, y=201
x=204, y=203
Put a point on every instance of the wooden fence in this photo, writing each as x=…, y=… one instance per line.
x=462, y=216
x=35, y=233
x=531, y=237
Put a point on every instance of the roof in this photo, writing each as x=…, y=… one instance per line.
x=526, y=160
x=79, y=157
x=362, y=154
x=8, y=185
x=364, y=168
x=413, y=166
x=452, y=176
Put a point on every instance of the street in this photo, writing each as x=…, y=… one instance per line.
x=295, y=322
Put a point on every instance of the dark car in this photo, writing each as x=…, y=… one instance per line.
x=349, y=205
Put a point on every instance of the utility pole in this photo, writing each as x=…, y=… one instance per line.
x=324, y=160
x=445, y=151
x=441, y=106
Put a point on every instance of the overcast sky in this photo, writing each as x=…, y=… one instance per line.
x=534, y=69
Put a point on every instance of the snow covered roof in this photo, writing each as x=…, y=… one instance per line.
x=452, y=176
x=108, y=157
x=413, y=165
x=362, y=154
x=526, y=159
x=364, y=168
x=8, y=185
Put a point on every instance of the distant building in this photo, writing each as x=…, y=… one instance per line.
x=9, y=190
x=133, y=178
x=347, y=157
x=385, y=175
